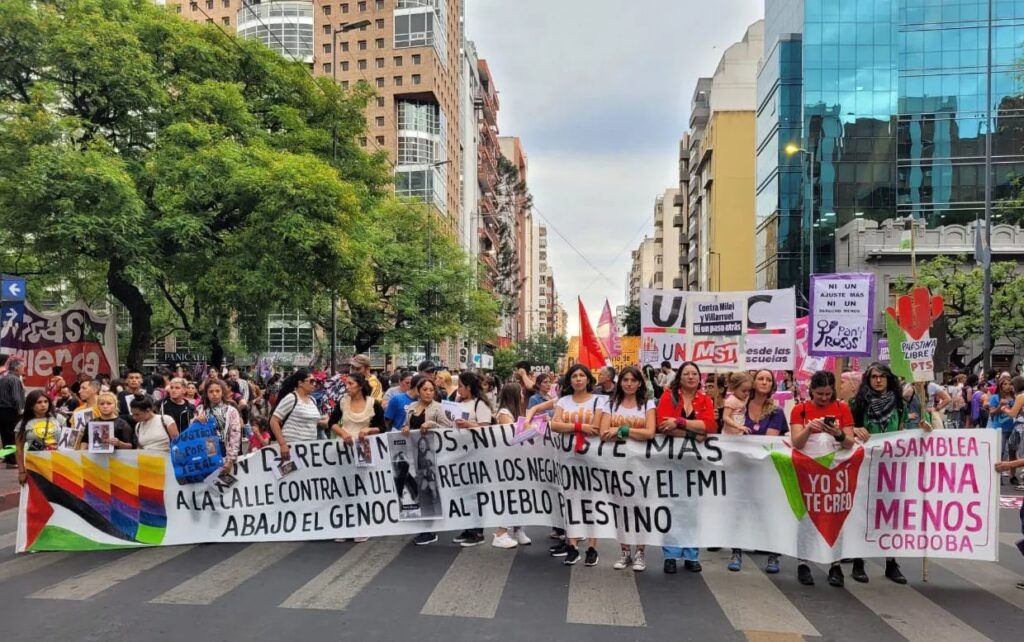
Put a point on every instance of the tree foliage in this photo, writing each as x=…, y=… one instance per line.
x=540, y=350
x=633, y=320
x=184, y=168
x=512, y=197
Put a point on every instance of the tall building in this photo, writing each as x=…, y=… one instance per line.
x=488, y=152
x=666, y=239
x=722, y=169
x=682, y=279
x=520, y=218
x=699, y=112
x=641, y=274
x=891, y=99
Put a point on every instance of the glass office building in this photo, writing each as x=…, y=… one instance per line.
x=892, y=103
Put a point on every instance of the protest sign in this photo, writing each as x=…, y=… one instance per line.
x=766, y=341
x=99, y=433
x=414, y=466
x=842, y=315
x=806, y=364
x=69, y=439
x=77, y=339
x=907, y=326
x=902, y=494
x=715, y=330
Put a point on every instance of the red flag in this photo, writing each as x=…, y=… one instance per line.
x=607, y=332
x=591, y=352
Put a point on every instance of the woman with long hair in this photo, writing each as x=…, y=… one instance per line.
x=576, y=412
x=359, y=415
x=152, y=431
x=296, y=417
x=476, y=411
x=226, y=416
x=445, y=385
x=510, y=408
x=1003, y=411
x=628, y=414
x=715, y=388
x=685, y=411
x=38, y=429
x=424, y=415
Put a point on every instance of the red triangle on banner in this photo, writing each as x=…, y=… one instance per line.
x=37, y=512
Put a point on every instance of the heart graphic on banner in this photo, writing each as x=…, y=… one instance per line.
x=828, y=492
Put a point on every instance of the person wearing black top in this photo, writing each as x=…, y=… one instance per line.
x=176, y=406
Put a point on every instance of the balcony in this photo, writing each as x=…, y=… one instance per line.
x=678, y=221
x=679, y=283
x=680, y=199
x=487, y=234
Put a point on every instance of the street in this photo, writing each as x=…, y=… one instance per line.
x=388, y=589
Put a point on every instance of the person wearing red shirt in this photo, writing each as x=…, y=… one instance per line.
x=685, y=411
x=830, y=423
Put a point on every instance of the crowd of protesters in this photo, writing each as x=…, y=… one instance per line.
x=251, y=412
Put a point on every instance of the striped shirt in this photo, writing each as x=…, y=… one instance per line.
x=302, y=418
x=12, y=392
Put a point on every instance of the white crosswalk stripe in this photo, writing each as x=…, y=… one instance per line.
x=473, y=585
x=334, y=588
x=910, y=613
x=1010, y=539
x=97, y=580
x=225, y=576
x=28, y=563
x=8, y=539
x=602, y=595
x=750, y=600
x=988, y=576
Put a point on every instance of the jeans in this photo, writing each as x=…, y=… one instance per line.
x=675, y=553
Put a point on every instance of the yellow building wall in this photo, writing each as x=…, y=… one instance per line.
x=732, y=200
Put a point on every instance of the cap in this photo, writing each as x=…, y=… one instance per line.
x=427, y=366
x=360, y=360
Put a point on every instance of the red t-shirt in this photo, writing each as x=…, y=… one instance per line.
x=703, y=410
x=809, y=411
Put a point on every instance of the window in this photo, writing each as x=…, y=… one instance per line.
x=380, y=5
x=327, y=9
x=209, y=21
x=326, y=67
x=380, y=43
x=226, y=20
x=344, y=46
x=380, y=121
x=398, y=81
x=414, y=29
x=380, y=82
x=416, y=79
x=289, y=332
x=417, y=59
x=380, y=140
x=380, y=101
x=380, y=23
x=380, y=63
x=226, y=4
x=344, y=65
x=362, y=6
x=362, y=141
x=344, y=7
x=398, y=61
x=209, y=4
x=344, y=84
x=327, y=47
x=362, y=45
x=362, y=64
x=327, y=30
x=177, y=8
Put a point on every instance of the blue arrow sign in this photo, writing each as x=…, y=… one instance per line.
x=12, y=288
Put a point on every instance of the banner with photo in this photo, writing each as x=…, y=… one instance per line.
x=842, y=314
x=767, y=318
x=903, y=494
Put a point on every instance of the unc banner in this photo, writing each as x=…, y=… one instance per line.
x=904, y=494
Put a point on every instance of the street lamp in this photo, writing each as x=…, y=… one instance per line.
x=430, y=258
x=791, y=150
x=342, y=28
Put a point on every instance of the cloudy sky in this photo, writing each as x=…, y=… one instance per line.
x=599, y=92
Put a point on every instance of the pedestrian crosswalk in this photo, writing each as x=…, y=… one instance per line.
x=472, y=583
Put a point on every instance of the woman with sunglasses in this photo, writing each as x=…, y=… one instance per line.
x=296, y=417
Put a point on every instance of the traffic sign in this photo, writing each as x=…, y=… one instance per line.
x=12, y=288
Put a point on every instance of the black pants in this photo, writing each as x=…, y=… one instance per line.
x=8, y=419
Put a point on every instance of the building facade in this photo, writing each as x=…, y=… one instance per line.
x=893, y=104
x=641, y=274
x=666, y=239
x=680, y=218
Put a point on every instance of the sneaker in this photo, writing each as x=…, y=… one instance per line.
x=835, y=576
x=625, y=559
x=360, y=540
x=893, y=572
x=714, y=549
x=522, y=538
x=693, y=566
x=639, y=563
x=670, y=566
x=559, y=550
x=736, y=563
x=556, y=534
x=473, y=538
x=500, y=541
x=803, y=575
x=1020, y=585
x=772, y=567
x=424, y=538
x=463, y=536
x=572, y=555
x=859, y=574
x=591, y=557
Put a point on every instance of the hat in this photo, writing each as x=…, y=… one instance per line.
x=427, y=366
x=360, y=360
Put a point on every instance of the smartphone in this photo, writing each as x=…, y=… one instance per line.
x=830, y=421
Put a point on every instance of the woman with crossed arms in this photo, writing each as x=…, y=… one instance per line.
x=628, y=414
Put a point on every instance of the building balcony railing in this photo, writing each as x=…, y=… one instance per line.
x=487, y=233
x=678, y=221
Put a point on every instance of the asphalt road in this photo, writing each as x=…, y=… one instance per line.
x=388, y=589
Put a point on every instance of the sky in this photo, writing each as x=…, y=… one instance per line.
x=599, y=92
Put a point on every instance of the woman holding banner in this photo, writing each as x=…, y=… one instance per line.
x=823, y=424
x=123, y=437
x=576, y=413
x=296, y=417
x=423, y=415
x=225, y=415
x=685, y=411
x=628, y=414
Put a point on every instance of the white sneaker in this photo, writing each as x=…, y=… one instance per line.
x=623, y=562
x=522, y=537
x=639, y=564
x=359, y=540
x=504, y=541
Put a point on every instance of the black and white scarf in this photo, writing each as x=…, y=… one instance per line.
x=881, y=405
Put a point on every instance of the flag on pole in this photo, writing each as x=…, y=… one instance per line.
x=591, y=354
x=608, y=333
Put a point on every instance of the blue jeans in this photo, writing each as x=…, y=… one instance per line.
x=675, y=553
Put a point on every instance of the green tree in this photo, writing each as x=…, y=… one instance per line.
x=633, y=320
x=191, y=170
x=422, y=286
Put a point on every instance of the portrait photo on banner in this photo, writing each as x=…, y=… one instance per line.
x=414, y=466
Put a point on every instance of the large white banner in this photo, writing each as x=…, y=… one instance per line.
x=766, y=341
x=904, y=494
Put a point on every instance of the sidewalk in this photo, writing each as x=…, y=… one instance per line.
x=9, y=488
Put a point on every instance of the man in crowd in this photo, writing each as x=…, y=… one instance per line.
x=87, y=391
x=394, y=388
x=605, y=381
x=394, y=413
x=12, y=402
x=176, y=406
x=243, y=387
x=665, y=375
x=133, y=386
x=360, y=364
